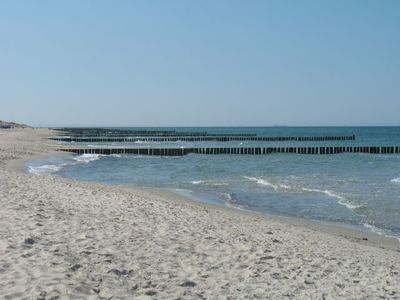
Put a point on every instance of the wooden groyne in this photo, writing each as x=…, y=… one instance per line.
x=102, y=132
x=239, y=150
x=218, y=138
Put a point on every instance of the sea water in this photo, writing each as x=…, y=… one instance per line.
x=356, y=189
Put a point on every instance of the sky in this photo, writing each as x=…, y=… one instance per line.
x=200, y=63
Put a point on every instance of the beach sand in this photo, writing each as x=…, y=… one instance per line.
x=61, y=238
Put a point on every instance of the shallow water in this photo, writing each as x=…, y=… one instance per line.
x=350, y=188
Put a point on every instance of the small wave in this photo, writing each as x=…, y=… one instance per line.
x=48, y=169
x=327, y=192
x=395, y=180
x=183, y=191
x=45, y=169
x=262, y=182
x=286, y=188
x=349, y=181
x=218, y=183
x=197, y=182
x=209, y=183
x=348, y=205
x=275, y=186
x=380, y=231
x=341, y=199
x=374, y=229
x=87, y=158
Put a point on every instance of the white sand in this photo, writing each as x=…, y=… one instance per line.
x=69, y=239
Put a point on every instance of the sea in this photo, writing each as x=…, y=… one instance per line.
x=349, y=189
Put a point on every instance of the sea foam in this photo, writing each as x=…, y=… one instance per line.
x=45, y=169
x=341, y=199
x=380, y=231
x=395, y=180
x=86, y=158
x=48, y=169
x=275, y=186
x=262, y=182
x=197, y=182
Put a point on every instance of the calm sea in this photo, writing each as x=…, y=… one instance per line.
x=360, y=190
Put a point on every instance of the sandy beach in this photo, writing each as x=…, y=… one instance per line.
x=62, y=239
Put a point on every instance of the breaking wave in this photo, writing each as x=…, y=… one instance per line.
x=87, y=158
x=341, y=199
x=197, y=182
x=380, y=231
x=286, y=188
x=262, y=182
x=395, y=180
x=45, y=169
x=48, y=169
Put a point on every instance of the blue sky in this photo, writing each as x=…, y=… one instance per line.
x=200, y=63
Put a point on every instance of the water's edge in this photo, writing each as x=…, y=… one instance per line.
x=193, y=197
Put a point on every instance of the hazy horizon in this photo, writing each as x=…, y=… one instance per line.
x=206, y=63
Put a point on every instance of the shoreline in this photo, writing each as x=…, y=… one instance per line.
x=354, y=232
x=60, y=236
x=337, y=229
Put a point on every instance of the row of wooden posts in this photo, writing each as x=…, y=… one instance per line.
x=151, y=134
x=228, y=138
x=238, y=150
x=76, y=132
